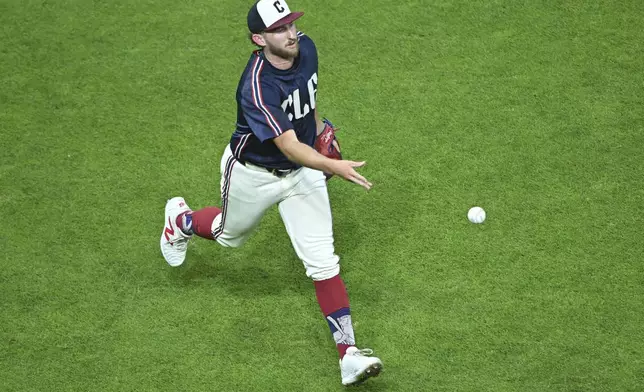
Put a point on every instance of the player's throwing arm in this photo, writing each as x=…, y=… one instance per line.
x=309, y=157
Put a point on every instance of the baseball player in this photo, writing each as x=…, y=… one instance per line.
x=271, y=160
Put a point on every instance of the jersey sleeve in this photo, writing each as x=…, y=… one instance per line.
x=261, y=105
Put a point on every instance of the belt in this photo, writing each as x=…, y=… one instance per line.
x=276, y=172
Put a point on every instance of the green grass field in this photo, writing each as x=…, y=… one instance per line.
x=533, y=110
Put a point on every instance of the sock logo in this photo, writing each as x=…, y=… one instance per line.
x=341, y=327
x=187, y=223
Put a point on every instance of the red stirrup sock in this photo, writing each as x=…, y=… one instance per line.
x=198, y=222
x=334, y=303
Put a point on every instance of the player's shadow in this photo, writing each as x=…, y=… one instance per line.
x=267, y=264
x=249, y=271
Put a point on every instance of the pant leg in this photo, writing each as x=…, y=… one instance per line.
x=246, y=194
x=306, y=213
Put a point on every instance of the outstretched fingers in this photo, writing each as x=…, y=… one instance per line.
x=360, y=180
x=357, y=178
x=346, y=169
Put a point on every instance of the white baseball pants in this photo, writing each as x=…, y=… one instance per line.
x=247, y=191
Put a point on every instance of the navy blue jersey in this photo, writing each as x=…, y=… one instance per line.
x=271, y=101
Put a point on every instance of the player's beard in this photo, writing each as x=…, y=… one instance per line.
x=286, y=52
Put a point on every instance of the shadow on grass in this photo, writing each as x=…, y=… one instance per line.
x=248, y=272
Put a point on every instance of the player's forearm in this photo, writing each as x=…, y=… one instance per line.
x=304, y=155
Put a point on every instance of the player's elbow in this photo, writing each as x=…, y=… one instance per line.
x=287, y=143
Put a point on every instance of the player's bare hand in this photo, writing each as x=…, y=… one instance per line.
x=346, y=170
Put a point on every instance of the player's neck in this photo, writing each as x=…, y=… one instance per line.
x=279, y=62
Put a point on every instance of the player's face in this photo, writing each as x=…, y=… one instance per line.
x=283, y=41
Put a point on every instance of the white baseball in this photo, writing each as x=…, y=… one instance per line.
x=476, y=215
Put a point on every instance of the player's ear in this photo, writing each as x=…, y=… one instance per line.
x=258, y=39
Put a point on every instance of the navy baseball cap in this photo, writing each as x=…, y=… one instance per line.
x=266, y=15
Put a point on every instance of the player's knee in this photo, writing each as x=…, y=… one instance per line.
x=226, y=237
x=324, y=270
x=230, y=242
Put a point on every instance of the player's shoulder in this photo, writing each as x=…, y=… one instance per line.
x=307, y=46
x=257, y=73
x=256, y=65
x=305, y=39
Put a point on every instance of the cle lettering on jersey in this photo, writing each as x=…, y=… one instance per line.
x=292, y=105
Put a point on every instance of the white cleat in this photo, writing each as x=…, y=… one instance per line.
x=357, y=366
x=174, y=244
